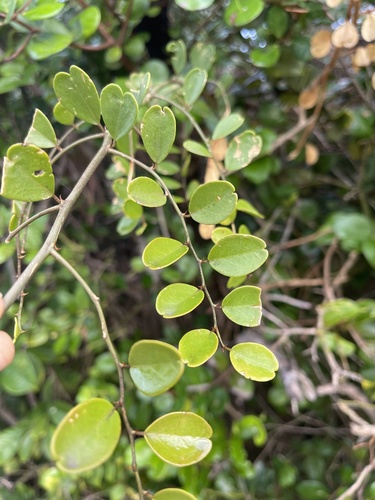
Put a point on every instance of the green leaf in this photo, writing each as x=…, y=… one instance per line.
x=138, y=85
x=146, y=192
x=155, y=366
x=203, y=55
x=243, y=306
x=196, y=148
x=220, y=232
x=77, y=93
x=193, y=85
x=173, y=494
x=266, y=57
x=212, y=202
x=339, y=311
x=254, y=361
x=132, y=209
x=119, y=110
x=41, y=132
x=227, y=125
x=86, y=22
x=178, y=299
x=242, y=150
x=193, y=5
x=178, y=59
x=197, y=346
x=162, y=252
x=158, y=131
x=368, y=250
x=241, y=12
x=43, y=9
x=277, y=20
x=180, y=438
x=62, y=115
x=352, y=229
x=52, y=38
x=238, y=255
x=87, y=436
x=27, y=174
x=248, y=208
x=24, y=375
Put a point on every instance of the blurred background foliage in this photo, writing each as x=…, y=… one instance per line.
x=310, y=95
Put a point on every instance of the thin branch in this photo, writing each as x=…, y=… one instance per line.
x=358, y=482
x=47, y=211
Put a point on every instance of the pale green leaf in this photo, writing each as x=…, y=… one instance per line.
x=197, y=148
x=146, y=192
x=27, y=174
x=52, y=38
x=63, y=115
x=212, y=202
x=155, y=366
x=178, y=50
x=138, y=85
x=180, y=438
x=173, y=494
x=203, y=55
x=193, y=85
x=178, y=299
x=119, y=110
x=86, y=22
x=43, y=9
x=41, y=132
x=227, y=126
x=162, y=252
x=243, y=306
x=238, y=255
x=254, y=361
x=77, y=93
x=197, y=346
x=220, y=232
x=87, y=436
x=193, y=5
x=266, y=57
x=241, y=12
x=246, y=207
x=158, y=131
x=242, y=150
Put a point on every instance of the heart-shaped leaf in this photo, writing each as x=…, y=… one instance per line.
x=178, y=59
x=197, y=346
x=87, y=436
x=63, y=115
x=237, y=255
x=77, y=93
x=178, y=299
x=146, y=192
x=243, y=306
x=155, y=366
x=254, y=361
x=242, y=150
x=212, y=202
x=194, y=84
x=119, y=110
x=27, y=174
x=158, y=131
x=41, y=132
x=227, y=126
x=180, y=438
x=173, y=494
x=162, y=252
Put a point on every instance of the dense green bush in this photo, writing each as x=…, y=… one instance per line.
x=143, y=189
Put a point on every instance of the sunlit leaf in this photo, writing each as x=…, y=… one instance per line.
x=173, y=494
x=158, y=131
x=87, y=436
x=254, y=361
x=243, y=306
x=238, y=255
x=193, y=5
x=77, y=93
x=27, y=174
x=227, y=126
x=146, y=192
x=196, y=148
x=193, y=85
x=241, y=12
x=180, y=438
x=162, y=252
x=43, y=9
x=242, y=150
x=119, y=110
x=155, y=366
x=197, y=346
x=41, y=132
x=212, y=202
x=178, y=299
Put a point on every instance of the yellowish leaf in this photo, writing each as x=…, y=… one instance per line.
x=309, y=97
x=333, y=3
x=311, y=154
x=346, y=36
x=320, y=44
x=368, y=28
x=373, y=81
x=361, y=57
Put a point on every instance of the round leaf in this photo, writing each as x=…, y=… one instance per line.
x=238, y=255
x=194, y=84
x=63, y=115
x=266, y=57
x=24, y=375
x=178, y=299
x=278, y=21
x=193, y=5
x=213, y=202
x=242, y=150
x=227, y=126
x=254, y=361
x=180, y=438
x=43, y=9
x=119, y=110
x=203, y=55
x=197, y=346
x=87, y=436
x=173, y=494
x=162, y=252
x=41, y=132
x=197, y=148
x=27, y=174
x=155, y=366
x=158, y=131
x=77, y=93
x=241, y=12
x=86, y=22
x=52, y=38
x=243, y=306
x=146, y=192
